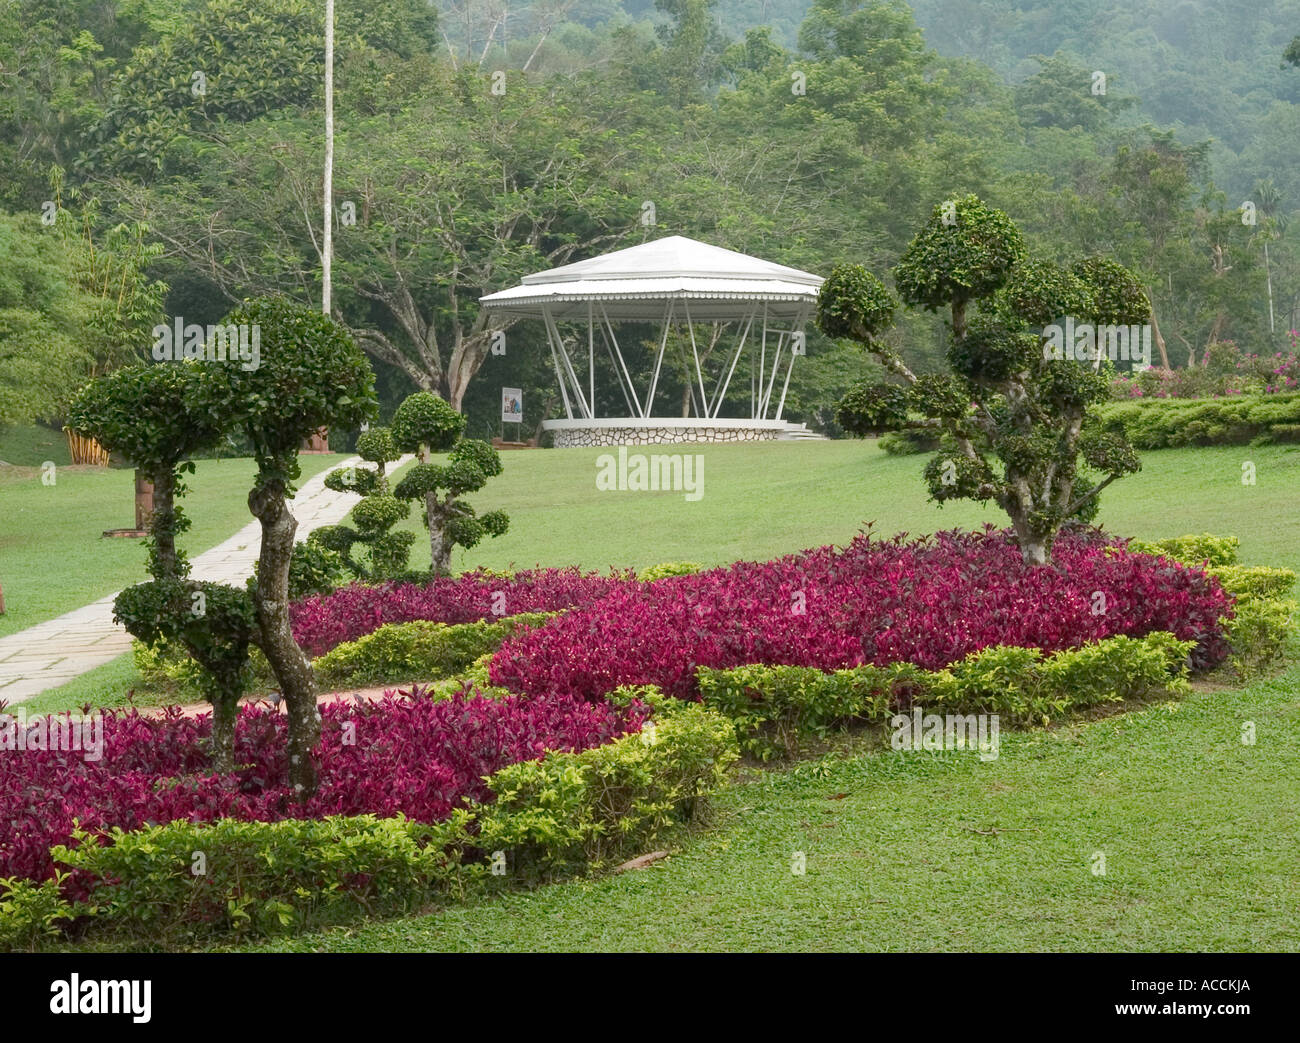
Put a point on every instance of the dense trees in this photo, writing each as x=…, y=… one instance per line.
x=491, y=140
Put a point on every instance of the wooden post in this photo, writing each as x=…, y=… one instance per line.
x=143, y=501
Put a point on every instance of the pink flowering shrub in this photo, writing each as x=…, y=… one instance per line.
x=415, y=756
x=321, y=622
x=930, y=602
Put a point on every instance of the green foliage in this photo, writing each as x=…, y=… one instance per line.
x=425, y=421
x=668, y=568
x=1260, y=632
x=968, y=258
x=1168, y=423
x=421, y=650
x=1114, y=295
x=32, y=913
x=313, y=569
x=214, y=622
x=590, y=808
x=1247, y=583
x=167, y=668
x=853, y=303
x=1205, y=549
x=377, y=446
x=992, y=352
x=311, y=375
x=262, y=878
x=909, y=442
x=776, y=707
x=870, y=409
x=1039, y=292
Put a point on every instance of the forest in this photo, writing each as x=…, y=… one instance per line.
x=162, y=159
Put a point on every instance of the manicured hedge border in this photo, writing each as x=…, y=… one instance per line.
x=564, y=812
x=776, y=707
x=1167, y=423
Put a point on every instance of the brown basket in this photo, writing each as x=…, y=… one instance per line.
x=85, y=450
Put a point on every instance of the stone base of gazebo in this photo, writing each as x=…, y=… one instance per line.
x=661, y=431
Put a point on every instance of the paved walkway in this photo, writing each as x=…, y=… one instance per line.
x=52, y=653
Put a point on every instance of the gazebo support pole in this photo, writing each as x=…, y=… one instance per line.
x=704, y=396
x=720, y=393
x=613, y=364
x=663, y=344
x=614, y=340
x=568, y=366
x=771, y=381
x=756, y=406
x=591, y=363
x=555, y=358
x=785, y=387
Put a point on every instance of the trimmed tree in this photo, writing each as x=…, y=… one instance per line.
x=425, y=424
x=311, y=375
x=1010, y=394
x=142, y=413
x=387, y=552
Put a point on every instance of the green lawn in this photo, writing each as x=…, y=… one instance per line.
x=767, y=499
x=53, y=556
x=925, y=851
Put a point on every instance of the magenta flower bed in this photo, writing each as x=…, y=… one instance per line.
x=414, y=756
x=929, y=602
x=319, y=623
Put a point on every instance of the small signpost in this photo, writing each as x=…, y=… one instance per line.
x=512, y=411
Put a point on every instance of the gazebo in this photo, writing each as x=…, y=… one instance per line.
x=668, y=283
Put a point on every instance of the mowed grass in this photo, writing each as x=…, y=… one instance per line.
x=53, y=555
x=767, y=499
x=943, y=852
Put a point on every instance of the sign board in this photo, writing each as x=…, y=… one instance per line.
x=512, y=406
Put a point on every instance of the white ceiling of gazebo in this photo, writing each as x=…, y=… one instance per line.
x=637, y=283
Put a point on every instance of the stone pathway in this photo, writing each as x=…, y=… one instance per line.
x=52, y=653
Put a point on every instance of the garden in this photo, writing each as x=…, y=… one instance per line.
x=352, y=743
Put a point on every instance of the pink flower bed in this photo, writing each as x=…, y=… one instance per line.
x=415, y=756
x=319, y=623
x=929, y=602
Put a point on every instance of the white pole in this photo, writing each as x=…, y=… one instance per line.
x=327, y=245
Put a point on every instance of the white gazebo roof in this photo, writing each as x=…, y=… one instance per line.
x=637, y=284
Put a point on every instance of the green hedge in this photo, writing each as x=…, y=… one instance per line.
x=1164, y=423
x=564, y=812
x=776, y=707
x=418, y=651
x=669, y=568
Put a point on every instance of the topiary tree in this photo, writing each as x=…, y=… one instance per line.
x=143, y=413
x=387, y=552
x=425, y=424
x=311, y=375
x=1005, y=396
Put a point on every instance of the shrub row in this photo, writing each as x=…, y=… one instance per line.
x=190, y=882
x=775, y=707
x=1169, y=423
x=418, y=651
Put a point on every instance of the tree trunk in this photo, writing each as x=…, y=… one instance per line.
x=292, y=669
x=162, y=525
x=225, y=708
x=2, y=599
x=958, y=319
x=439, y=541
x=1160, y=340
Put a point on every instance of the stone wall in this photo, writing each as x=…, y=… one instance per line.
x=600, y=436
